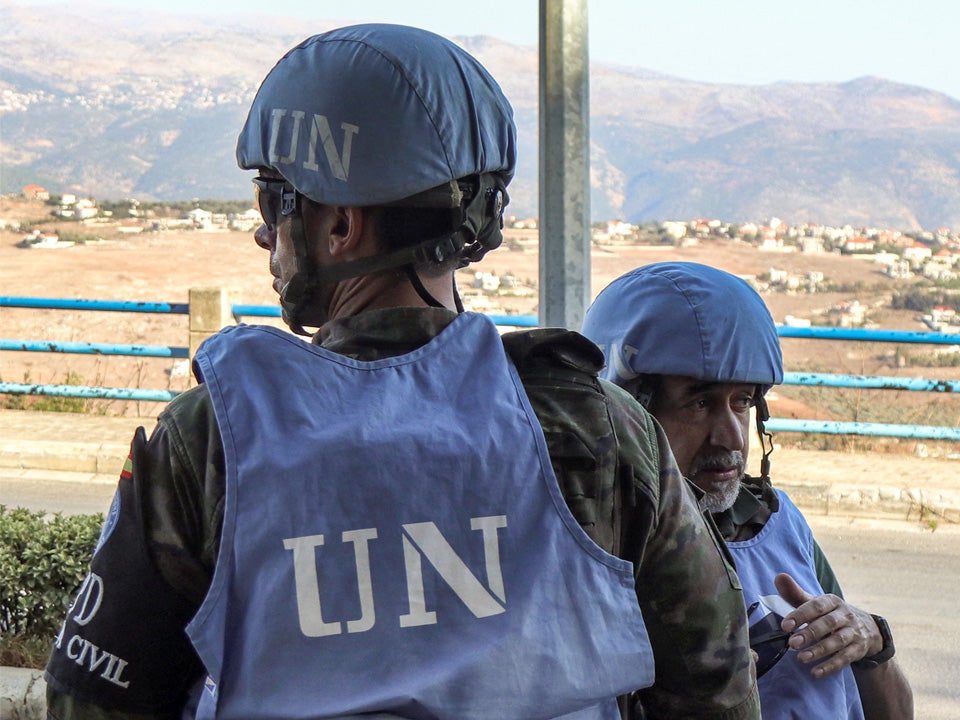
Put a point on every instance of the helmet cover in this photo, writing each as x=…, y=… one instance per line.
x=683, y=318
x=371, y=114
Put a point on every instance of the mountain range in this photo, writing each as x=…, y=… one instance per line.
x=147, y=104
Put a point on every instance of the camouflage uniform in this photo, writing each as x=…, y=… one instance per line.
x=613, y=465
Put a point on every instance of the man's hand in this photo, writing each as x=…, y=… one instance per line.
x=830, y=629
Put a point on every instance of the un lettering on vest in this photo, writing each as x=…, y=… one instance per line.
x=286, y=130
x=81, y=651
x=420, y=541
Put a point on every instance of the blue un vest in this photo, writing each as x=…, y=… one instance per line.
x=788, y=691
x=395, y=543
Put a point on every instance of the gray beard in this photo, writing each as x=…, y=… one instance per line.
x=723, y=497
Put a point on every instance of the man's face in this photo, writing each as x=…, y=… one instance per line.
x=274, y=234
x=708, y=426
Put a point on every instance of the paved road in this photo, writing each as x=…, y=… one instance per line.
x=48, y=491
x=908, y=574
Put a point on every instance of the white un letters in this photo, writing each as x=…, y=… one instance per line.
x=420, y=541
x=339, y=163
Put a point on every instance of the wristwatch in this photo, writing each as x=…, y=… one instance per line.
x=886, y=652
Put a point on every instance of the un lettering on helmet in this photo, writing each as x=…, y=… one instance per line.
x=371, y=114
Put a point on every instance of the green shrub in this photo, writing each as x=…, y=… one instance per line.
x=43, y=560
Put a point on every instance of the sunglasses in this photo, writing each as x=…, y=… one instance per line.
x=276, y=198
x=767, y=640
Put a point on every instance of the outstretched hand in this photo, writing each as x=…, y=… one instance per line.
x=826, y=629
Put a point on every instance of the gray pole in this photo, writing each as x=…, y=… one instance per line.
x=564, y=163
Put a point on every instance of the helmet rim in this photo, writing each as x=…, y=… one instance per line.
x=684, y=318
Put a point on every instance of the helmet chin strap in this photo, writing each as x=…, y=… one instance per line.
x=424, y=294
x=298, y=296
x=479, y=231
x=763, y=414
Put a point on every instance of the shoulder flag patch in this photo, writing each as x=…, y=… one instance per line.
x=127, y=471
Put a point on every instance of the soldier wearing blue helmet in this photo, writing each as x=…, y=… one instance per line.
x=698, y=347
x=407, y=516
x=390, y=133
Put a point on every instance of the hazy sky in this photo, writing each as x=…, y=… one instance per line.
x=739, y=41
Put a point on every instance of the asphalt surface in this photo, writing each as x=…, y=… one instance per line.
x=71, y=463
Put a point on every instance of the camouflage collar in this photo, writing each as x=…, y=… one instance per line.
x=383, y=333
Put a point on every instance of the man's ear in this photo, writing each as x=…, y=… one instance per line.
x=347, y=230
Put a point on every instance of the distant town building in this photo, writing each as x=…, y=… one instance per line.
x=848, y=314
x=616, y=231
x=38, y=239
x=245, y=221
x=704, y=227
x=917, y=253
x=943, y=314
x=858, y=244
x=35, y=192
x=80, y=209
x=676, y=230
x=202, y=219
x=778, y=277
x=771, y=242
x=85, y=209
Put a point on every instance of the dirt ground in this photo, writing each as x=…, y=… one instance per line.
x=164, y=266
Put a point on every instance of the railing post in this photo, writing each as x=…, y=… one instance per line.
x=211, y=310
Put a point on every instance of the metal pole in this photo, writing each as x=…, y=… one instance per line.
x=564, y=163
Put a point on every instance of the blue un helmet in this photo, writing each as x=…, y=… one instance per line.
x=383, y=115
x=683, y=318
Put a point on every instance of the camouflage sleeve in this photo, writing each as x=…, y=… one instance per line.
x=186, y=494
x=618, y=477
x=147, y=578
x=688, y=589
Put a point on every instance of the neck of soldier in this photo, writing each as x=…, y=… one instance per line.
x=386, y=289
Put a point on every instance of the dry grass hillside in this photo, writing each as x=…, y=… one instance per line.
x=163, y=266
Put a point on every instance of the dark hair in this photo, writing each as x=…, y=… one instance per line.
x=401, y=227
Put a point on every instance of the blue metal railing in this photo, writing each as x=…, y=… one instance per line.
x=107, y=305
x=86, y=391
x=270, y=311
x=863, y=335
x=832, y=427
x=83, y=348
x=870, y=382
x=157, y=351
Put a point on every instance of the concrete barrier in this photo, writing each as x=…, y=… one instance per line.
x=22, y=694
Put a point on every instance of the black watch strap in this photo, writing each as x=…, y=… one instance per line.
x=886, y=652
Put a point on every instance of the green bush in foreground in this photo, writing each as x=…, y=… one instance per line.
x=42, y=563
